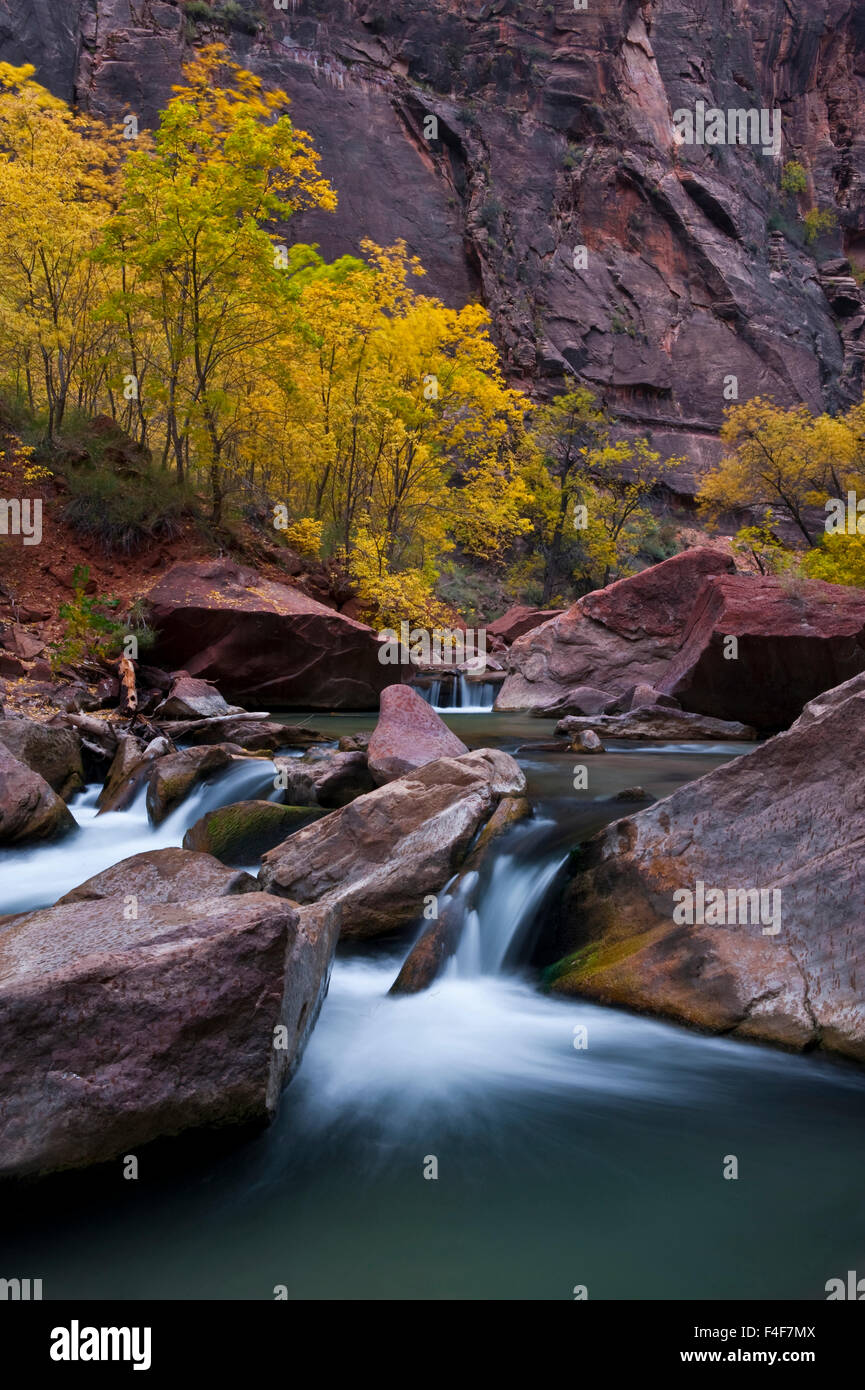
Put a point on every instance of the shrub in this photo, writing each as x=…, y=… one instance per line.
x=794, y=179
x=90, y=633
x=123, y=513
x=817, y=223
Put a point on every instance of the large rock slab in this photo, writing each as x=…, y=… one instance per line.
x=29, y=809
x=787, y=818
x=162, y=876
x=613, y=639
x=655, y=721
x=408, y=734
x=172, y=777
x=53, y=752
x=375, y=860
x=792, y=643
x=264, y=643
x=117, y=1032
x=189, y=698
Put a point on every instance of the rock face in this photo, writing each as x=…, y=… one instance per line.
x=264, y=643
x=253, y=733
x=408, y=734
x=613, y=639
x=114, y=1033
x=786, y=967
x=555, y=131
x=243, y=832
x=55, y=753
x=518, y=621
x=29, y=809
x=791, y=645
x=162, y=876
x=375, y=860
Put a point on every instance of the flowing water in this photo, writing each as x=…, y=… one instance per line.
x=465, y=696
x=557, y=1164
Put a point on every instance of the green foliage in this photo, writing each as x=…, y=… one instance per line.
x=234, y=16
x=90, y=633
x=817, y=223
x=122, y=513
x=199, y=10
x=794, y=179
x=838, y=559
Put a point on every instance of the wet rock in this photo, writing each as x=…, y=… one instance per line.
x=633, y=794
x=130, y=770
x=375, y=860
x=29, y=809
x=55, y=753
x=97, y=740
x=162, y=876
x=172, y=777
x=253, y=732
x=243, y=832
x=585, y=741
x=656, y=722
x=408, y=734
x=354, y=743
x=115, y=1032
x=756, y=932
x=641, y=697
x=323, y=777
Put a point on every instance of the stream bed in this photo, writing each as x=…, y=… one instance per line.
x=557, y=1165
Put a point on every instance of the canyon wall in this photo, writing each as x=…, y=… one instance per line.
x=554, y=130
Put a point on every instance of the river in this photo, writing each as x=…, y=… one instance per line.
x=557, y=1166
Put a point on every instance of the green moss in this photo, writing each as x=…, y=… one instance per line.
x=569, y=973
x=242, y=833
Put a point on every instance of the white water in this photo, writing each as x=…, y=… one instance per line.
x=472, y=697
x=40, y=874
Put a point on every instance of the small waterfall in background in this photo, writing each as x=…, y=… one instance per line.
x=465, y=696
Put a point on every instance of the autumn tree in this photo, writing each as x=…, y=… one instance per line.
x=58, y=174
x=203, y=278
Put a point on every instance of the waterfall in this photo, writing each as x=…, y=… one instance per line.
x=37, y=875
x=469, y=697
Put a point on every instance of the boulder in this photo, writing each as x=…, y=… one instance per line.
x=375, y=860
x=354, y=743
x=264, y=643
x=655, y=721
x=243, y=832
x=736, y=903
x=518, y=621
x=162, y=876
x=21, y=643
x=585, y=741
x=117, y=1032
x=583, y=699
x=171, y=778
x=130, y=770
x=408, y=734
x=55, y=753
x=613, y=639
x=792, y=643
x=29, y=809
x=189, y=698
x=324, y=777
